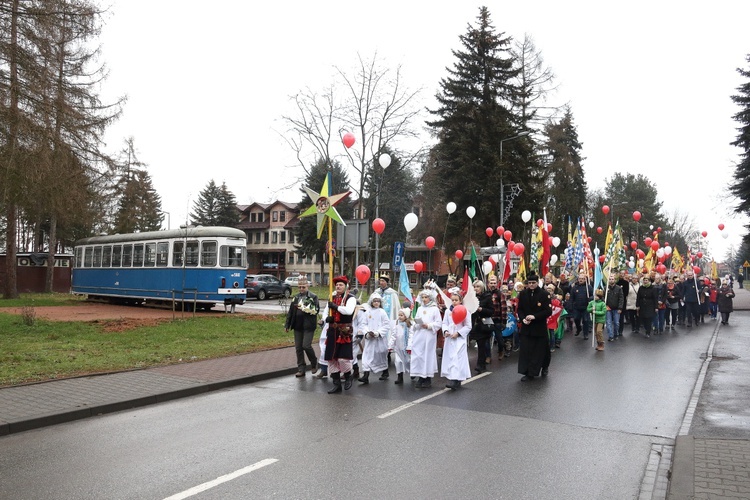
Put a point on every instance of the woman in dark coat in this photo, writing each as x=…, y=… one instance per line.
x=480, y=332
x=724, y=299
x=647, y=304
x=533, y=310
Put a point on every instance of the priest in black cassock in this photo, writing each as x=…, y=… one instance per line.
x=533, y=310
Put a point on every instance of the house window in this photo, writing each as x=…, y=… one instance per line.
x=282, y=216
x=265, y=237
x=252, y=217
x=283, y=236
x=308, y=260
x=257, y=237
x=274, y=236
x=291, y=236
x=291, y=258
x=275, y=216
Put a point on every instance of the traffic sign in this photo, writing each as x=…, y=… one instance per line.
x=746, y=264
x=398, y=254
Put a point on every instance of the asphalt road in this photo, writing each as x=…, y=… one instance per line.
x=584, y=432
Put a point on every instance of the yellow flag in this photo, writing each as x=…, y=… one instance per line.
x=714, y=270
x=521, y=274
x=677, y=262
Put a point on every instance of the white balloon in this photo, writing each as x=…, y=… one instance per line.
x=487, y=267
x=471, y=212
x=500, y=243
x=724, y=234
x=526, y=216
x=410, y=221
x=498, y=257
x=556, y=241
x=668, y=250
x=591, y=224
x=660, y=253
x=651, y=227
x=632, y=258
x=450, y=207
x=553, y=259
x=384, y=160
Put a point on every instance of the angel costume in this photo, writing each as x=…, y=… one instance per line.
x=423, y=343
x=455, y=365
x=397, y=343
x=376, y=325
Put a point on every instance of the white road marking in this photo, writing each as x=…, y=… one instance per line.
x=430, y=396
x=223, y=479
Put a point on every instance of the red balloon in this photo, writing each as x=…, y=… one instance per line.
x=707, y=281
x=489, y=232
x=661, y=269
x=459, y=254
x=418, y=266
x=655, y=233
x=459, y=313
x=636, y=216
x=599, y=229
x=511, y=245
x=363, y=274
x=500, y=230
x=601, y=258
x=507, y=235
x=654, y=246
x=605, y=209
x=704, y=233
x=348, y=140
x=640, y=253
x=430, y=242
x=633, y=245
x=648, y=241
x=699, y=255
x=721, y=227
x=551, y=241
x=696, y=269
x=518, y=249
x=539, y=222
x=549, y=227
x=658, y=230
x=378, y=225
x=588, y=239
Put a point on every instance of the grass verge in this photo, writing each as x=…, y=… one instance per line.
x=49, y=350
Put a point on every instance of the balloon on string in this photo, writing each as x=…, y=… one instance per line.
x=378, y=225
x=632, y=258
x=601, y=258
x=605, y=209
x=507, y=235
x=471, y=212
x=363, y=274
x=599, y=230
x=724, y=234
x=648, y=241
x=430, y=242
x=556, y=241
x=721, y=227
x=348, y=140
x=459, y=313
x=486, y=267
x=550, y=241
x=636, y=216
x=658, y=230
x=500, y=230
x=696, y=269
x=553, y=259
x=633, y=245
x=640, y=253
x=525, y=216
x=699, y=255
x=418, y=266
x=591, y=224
x=450, y=207
x=704, y=233
x=668, y=250
x=549, y=227
x=539, y=222
x=511, y=245
x=651, y=227
x=654, y=246
x=588, y=239
x=410, y=221
x=661, y=269
x=459, y=254
x=707, y=280
x=518, y=249
x=500, y=243
x=660, y=253
x=489, y=232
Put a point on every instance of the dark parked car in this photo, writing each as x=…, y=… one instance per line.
x=263, y=286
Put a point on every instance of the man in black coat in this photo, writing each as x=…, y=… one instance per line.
x=533, y=310
x=302, y=318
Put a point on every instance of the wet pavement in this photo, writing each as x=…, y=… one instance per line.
x=708, y=458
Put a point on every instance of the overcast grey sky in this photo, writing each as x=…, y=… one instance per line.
x=649, y=84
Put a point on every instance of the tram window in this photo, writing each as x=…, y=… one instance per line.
x=208, y=254
x=177, y=250
x=150, y=257
x=231, y=256
x=79, y=257
x=116, y=255
x=127, y=255
x=88, y=257
x=138, y=255
x=162, y=254
x=191, y=254
x=97, y=257
x=107, y=256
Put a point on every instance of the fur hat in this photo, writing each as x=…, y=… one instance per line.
x=375, y=296
x=532, y=277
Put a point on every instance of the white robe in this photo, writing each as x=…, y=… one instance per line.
x=375, y=353
x=455, y=364
x=398, y=341
x=423, y=343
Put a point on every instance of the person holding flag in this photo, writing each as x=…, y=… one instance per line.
x=339, y=349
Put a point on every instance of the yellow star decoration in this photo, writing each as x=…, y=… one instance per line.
x=324, y=204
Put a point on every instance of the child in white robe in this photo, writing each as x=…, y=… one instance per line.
x=455, y=366
x=398, y=341
x=376, y=324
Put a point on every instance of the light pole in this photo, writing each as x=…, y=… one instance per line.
x=384, y=160
x=502, y=187
x=168, y=219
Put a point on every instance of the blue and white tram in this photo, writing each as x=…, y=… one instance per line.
x=194, y=265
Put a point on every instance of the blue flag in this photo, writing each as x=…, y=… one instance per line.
x=598, y=275
x=403, y=283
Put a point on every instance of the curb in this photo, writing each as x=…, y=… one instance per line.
x=682, y=481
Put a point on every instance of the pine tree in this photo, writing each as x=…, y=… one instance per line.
x=139, y=209
x=475, y=115
x=741, y=187
x=227, y=215
x=206, y=208
x=567, y=182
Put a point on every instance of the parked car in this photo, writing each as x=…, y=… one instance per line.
x=262, y=286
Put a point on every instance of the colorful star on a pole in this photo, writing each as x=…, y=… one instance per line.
x=324, y=204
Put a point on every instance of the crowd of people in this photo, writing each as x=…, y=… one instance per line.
x=433, y=335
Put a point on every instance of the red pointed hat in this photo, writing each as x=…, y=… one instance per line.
x=341, y=279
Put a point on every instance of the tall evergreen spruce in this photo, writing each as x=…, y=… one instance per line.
x=741, y=187
x=139, y=209
x=228, y=214
x=215, y=206
x=475, y=114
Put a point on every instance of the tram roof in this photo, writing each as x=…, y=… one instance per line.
x=189, y=232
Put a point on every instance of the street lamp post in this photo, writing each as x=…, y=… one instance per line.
x=502, y=187
x=384, y=160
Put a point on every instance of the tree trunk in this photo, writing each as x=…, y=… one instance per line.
x=50, y=276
